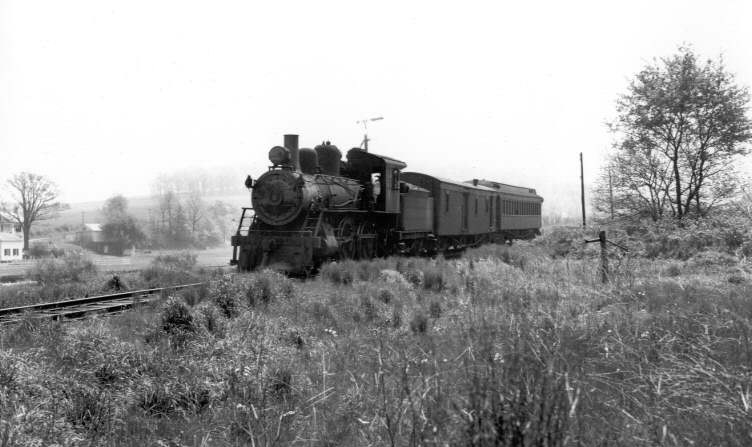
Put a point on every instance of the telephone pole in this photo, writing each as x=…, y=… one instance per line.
x=610, y=194
x=364, y=122
x=582, y=191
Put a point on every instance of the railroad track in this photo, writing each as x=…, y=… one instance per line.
x=79, y=307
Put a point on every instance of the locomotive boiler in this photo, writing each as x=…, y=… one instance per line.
x=312, y=206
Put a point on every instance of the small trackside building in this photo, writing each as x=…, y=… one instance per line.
x=92, y=237
x=11, y=247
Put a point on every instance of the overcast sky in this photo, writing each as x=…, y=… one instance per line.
x=102, y=95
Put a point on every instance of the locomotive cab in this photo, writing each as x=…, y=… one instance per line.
x=380, y=174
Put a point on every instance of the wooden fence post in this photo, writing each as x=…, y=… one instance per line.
x=604, y=256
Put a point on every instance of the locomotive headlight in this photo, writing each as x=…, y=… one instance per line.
x=278, y=155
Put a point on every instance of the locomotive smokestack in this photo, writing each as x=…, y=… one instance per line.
x=291, y=144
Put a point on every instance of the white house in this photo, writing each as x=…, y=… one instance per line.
x=11, y=247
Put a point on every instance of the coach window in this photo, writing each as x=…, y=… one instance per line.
x=476, y=206
x=446, y=202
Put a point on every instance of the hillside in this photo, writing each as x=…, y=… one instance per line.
x=90, y=212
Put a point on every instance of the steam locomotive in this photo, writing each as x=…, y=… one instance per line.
x=312, y=206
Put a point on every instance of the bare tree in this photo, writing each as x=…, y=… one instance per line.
x=680, y=127
x=195, y=210
x=34, y=199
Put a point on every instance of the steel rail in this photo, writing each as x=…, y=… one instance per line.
x=80, y=306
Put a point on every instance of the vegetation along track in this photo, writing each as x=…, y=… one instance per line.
x=79, y=307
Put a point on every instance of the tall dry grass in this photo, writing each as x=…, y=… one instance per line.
x=516, y=346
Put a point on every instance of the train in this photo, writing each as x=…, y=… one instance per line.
x=313, y=206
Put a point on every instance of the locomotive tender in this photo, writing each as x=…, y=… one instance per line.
x=312, y=206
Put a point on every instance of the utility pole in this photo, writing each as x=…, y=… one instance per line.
x=610, y=194
x=364, y=122
x=582, y=191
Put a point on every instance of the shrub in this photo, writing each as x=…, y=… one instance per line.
x=268, y=286
x=39, y=250
x=736, y=278
x=8, y=371
x=392, y=277
x=281, y=382
x=176, y=317
x=683, y=240
x=711, y=258
x=90, y=408
x=181, y=261
x=396, y=318
x=321, y=313
x=672, y=270
x=385, y=295
x=419, y=323
x=433, y=279
x=156, y=399
x=434, y=309
x=73, y=268
x=338, y=273
x=414, y=277
x=562, y=242
x=170, y=269
x=227, y=293
x=210, y=317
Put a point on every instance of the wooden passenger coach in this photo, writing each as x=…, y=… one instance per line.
x=480, y=210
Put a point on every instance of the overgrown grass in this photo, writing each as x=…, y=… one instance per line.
x=515, y=346
x=75, y=276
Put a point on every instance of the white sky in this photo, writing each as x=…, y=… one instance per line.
x=102, y=95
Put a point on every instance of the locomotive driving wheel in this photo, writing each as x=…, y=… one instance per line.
x=366, y=242
x=346, y=236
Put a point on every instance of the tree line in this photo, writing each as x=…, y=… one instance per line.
x=187, y=220
x=177, y=220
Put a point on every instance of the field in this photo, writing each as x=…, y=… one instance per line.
x=70, y=219
x=214, y=257
x=516, y=346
